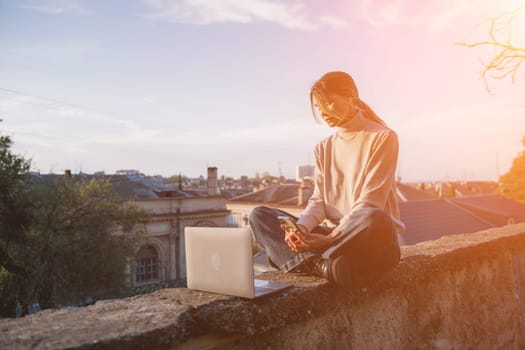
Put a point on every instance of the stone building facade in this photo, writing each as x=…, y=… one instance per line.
x=161, y=255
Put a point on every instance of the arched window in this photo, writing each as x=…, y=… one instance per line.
x=147, y=265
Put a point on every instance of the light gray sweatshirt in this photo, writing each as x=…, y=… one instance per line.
x=355, y=168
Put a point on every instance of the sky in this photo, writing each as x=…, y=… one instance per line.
x=175, y=86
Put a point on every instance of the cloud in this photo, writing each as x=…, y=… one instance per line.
x=45, y=50
x=202, y=12
x=55, y=7
x=432, y=16
x=54, y=120
x=170, y=150
x=405, y=13
x=391, y=13
x=149, y=99
x=61, y=136
x=334, y=22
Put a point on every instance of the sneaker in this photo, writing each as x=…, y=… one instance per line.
x=315, y=266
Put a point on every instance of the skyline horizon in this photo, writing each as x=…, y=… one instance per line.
x=79, y=169
x=237, y=176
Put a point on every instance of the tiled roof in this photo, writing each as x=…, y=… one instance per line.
x=291, y=201
x=277, y=193
x=407, y=192
x=475, y=187
x=493, y=208
x=127, y=189
x=431, y=219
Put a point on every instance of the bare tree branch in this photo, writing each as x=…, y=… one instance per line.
x=508, y=57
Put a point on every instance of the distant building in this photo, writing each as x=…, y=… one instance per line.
x=244, y=183
x=161, y=253
x=305, y=171
x=128, y=172
x=161, y=257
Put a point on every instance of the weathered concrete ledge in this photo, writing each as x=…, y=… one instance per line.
x=464, y=291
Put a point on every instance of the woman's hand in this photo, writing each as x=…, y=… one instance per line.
x=300, y=239
x=293, y=236
x=313, y=241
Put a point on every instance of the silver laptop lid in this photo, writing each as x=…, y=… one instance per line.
x=219, y=260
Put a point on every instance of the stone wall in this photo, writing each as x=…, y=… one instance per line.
x=459, y=292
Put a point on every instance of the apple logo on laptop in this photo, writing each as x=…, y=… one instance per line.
x=216, y=261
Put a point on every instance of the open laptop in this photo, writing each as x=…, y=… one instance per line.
x=219, y=260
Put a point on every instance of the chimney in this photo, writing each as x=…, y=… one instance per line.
x=213, y=189
x=67, y=174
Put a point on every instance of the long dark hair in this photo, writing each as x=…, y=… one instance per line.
x=339, y=83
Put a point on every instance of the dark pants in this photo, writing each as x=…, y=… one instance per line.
x=359, y=257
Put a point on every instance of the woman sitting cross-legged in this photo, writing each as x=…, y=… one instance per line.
x=354, y=192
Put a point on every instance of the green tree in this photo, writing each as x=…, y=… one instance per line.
x=15, y=192
x=61, y=239
x=84, y=236
x=512, y=184
x=15, y=221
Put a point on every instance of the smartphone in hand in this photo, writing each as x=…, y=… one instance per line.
x=287, y=222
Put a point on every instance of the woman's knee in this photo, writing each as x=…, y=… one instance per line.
x=379, y=239
x=379, y=228
x=378, y=220
x=259, y=213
